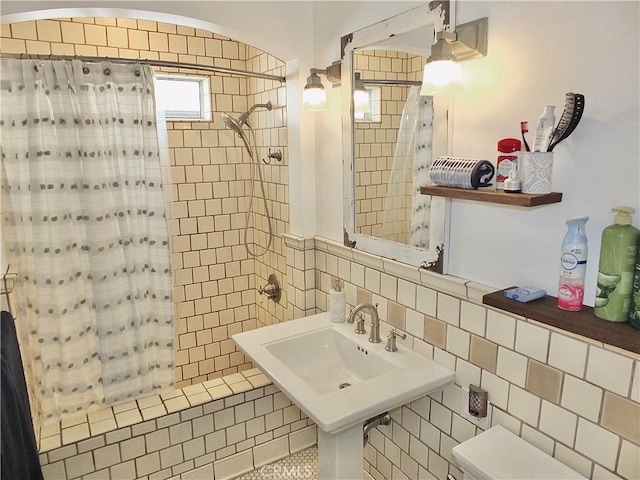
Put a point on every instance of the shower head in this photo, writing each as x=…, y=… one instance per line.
x=236, y=124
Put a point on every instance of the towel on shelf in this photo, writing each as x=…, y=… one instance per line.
x=19, y=450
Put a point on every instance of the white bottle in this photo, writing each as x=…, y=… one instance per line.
x=337, y=304
x=544, y=129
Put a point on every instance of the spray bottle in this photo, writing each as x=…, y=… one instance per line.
x=615, y=270
x=573, y=265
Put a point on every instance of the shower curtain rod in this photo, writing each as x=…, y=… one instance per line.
x=391, y=82
x=153, y=63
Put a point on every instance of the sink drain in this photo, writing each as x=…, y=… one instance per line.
x=344, y=385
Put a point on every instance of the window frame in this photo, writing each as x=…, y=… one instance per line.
x=204, y=93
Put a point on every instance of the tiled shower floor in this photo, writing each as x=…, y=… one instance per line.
x=300, y=465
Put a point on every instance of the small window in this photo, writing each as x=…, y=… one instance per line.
x=373, y=113
x=182, y=97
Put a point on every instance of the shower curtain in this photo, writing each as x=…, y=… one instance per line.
x=84, y=221
x=406, y=213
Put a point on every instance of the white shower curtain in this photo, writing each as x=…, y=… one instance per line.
x=406, y=214
x=84, y=222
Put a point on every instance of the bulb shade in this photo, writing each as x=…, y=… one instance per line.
x=441, y=76
x=314, y=97
x=361, y=101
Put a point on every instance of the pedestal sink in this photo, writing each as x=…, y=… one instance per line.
x=339, y=380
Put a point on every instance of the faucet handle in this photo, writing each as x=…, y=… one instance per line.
x=360, y=324
x=391, y=340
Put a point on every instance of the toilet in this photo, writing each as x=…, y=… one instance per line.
x=499, y=454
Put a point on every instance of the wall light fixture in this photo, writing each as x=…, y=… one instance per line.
x=314, y=96
x=442, y=71
x=361, y=101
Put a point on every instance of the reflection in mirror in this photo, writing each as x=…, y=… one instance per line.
x=393, y=140
x=395, y=143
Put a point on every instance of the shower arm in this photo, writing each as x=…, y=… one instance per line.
x=245, y=116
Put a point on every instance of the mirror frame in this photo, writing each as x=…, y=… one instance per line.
x=438, y=14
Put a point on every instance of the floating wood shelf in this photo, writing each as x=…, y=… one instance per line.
x=584, y=322
x=493, y=196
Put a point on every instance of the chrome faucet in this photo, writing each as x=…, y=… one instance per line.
x=374, y=336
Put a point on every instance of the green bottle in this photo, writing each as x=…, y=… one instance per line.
x=615, y=270
x=634, y=314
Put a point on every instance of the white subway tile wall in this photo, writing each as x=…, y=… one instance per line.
x=215, y=279
x=229, y=435
x=572, y=397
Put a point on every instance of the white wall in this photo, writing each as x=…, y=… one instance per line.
x=538, y=51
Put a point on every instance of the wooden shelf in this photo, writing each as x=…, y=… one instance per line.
x=493, y=196
x=584, y=322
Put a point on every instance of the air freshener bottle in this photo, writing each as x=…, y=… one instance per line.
x=615, y=270
x=573, y=265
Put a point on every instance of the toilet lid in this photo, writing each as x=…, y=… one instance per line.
x=499, y=454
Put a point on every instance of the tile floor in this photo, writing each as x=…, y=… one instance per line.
x=303, y=464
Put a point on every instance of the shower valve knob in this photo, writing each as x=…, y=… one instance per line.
x=272, y=289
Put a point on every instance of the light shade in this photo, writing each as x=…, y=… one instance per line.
x=442, y=72
x=314, y=95
x=441, y=76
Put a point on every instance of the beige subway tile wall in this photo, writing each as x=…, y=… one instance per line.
x=215, y=279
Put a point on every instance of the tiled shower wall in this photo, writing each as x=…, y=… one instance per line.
x=376, y=141
x=216, y=280
x=574, y=398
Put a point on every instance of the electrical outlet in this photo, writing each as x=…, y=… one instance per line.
x=483, y=422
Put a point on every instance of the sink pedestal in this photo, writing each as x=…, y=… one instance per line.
x=340, y=455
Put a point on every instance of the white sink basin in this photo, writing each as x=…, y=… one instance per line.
x=328, y=360
x=309, y=359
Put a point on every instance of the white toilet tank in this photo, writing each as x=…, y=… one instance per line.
x=498, y=454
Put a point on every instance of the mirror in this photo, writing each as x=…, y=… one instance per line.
x=391, y=140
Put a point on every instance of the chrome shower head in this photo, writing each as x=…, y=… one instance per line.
x=236, y=124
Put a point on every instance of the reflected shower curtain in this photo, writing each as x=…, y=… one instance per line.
x=84, y=222
x=405, y=218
